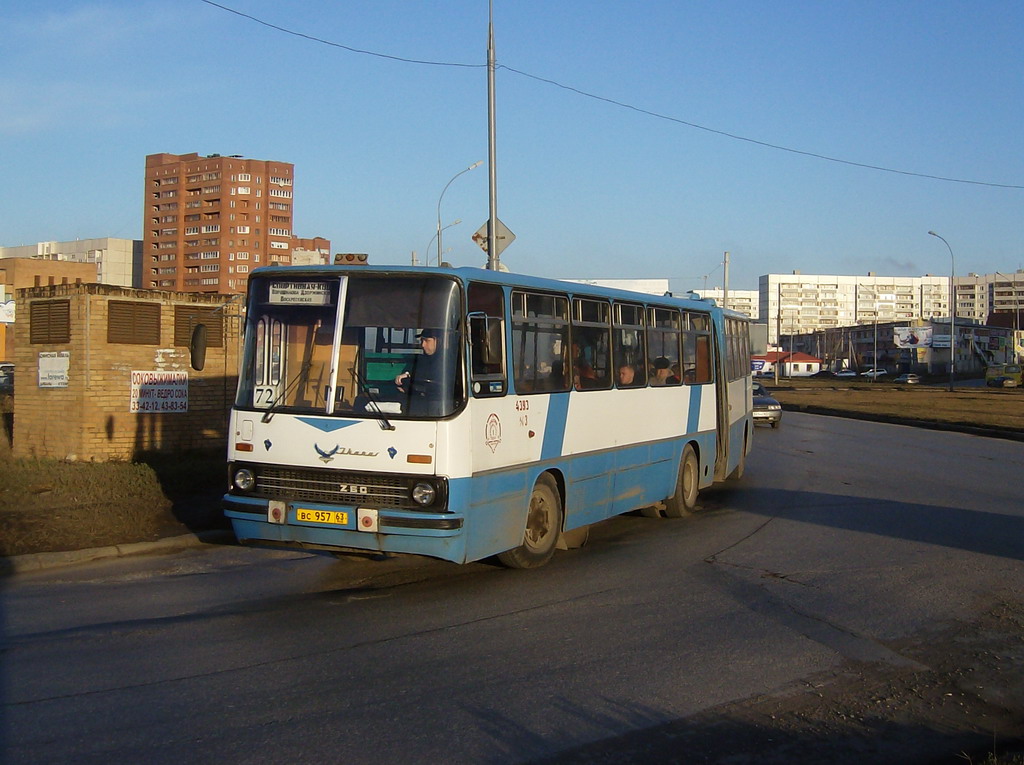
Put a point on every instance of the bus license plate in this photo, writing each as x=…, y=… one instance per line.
x=334, y=517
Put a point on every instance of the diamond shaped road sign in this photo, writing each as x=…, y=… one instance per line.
x=503, y=237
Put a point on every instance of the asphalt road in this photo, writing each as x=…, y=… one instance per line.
x=845, y=542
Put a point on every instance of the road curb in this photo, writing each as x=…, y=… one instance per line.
x=18, y=564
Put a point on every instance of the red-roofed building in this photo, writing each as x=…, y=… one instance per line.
x=796, y=364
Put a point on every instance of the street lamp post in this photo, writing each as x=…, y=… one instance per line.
x=952, y=311
x=439, y=229
x=455, y=222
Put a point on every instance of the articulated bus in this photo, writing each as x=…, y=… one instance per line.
x=462, y=413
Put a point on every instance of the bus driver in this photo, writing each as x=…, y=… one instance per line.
x=423, y=384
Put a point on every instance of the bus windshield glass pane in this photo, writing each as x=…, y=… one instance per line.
x=398, y=353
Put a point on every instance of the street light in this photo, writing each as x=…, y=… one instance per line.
x=439, y=229
x=455, y=222
x=952, y=311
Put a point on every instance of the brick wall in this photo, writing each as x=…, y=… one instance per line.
x=91, y=418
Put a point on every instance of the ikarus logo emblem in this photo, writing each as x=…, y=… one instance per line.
x=326, y=457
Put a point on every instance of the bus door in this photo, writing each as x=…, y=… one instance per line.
x=722, y=407
x=498, y=439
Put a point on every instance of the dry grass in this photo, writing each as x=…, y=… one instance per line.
x=976, y=407
x=50, y=505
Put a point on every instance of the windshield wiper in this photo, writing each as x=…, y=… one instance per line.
x=385, y=423
x=302, y=374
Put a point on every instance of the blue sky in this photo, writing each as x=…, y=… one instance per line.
x=591, y=188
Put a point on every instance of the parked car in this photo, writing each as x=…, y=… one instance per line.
x=824, y=373
x=908, y=378
x=6, y=377
x=846, y=373
x=766, y=408
x=874, y=374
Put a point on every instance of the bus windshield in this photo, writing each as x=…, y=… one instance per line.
x=395, y=349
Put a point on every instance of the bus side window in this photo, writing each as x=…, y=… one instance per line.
x=486, y=326
x=590, y=344
x=701, y=326
x=628, y=344
x=540, y=342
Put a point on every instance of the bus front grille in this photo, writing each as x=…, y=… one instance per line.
x=297, y=484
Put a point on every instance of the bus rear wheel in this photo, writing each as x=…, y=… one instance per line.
x=684, y=500
x=543, y=526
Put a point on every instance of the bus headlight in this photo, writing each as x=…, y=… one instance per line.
x=424, y=493
x=244, y=479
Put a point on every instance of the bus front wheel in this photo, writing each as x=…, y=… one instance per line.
x=684, y=500
x=543, y=526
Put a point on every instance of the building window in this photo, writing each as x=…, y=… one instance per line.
x=186, y=317
x=133, y=323
x=50, y=321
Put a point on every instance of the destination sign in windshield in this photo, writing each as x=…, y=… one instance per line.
x=301, y=293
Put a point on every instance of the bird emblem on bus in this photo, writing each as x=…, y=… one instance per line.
x=326, y=457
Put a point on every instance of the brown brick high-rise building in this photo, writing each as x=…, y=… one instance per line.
x=210, y=220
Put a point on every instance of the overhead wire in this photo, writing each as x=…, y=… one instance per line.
x=619, y=104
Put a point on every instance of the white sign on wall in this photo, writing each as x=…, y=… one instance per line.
x=53, y=369
x=159, y=392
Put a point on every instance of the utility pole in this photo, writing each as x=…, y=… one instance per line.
x=725, y=282
x=492, y=222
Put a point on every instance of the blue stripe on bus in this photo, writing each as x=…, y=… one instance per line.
x=554, y=428
x=693, y=416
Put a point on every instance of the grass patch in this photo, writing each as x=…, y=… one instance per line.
x=52, y=505
x=998, y=408
x=48, y=505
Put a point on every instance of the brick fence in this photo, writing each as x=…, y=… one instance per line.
x=103, y=372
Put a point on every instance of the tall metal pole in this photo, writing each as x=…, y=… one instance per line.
x=725, y=282
x=492, y=221
x=952, y=312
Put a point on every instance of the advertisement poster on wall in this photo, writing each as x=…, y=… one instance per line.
x=53, y=369
x=913, y=337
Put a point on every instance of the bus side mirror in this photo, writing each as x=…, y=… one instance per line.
x=197, y=348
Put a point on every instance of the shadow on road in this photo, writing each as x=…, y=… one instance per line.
x=974, y=531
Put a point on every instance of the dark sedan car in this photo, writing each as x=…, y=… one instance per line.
x=766, y=408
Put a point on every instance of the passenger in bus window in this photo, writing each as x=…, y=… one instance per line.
x=662, y=374
x=627, y=375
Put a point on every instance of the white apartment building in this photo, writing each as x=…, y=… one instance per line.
x=117, y=260
x=798, y=303
x=745, y=301
x=978, y=295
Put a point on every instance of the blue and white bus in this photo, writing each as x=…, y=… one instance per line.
x=462, y=413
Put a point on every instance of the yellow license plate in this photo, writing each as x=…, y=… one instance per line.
x=334, y=517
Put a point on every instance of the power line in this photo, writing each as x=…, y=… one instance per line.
x=621, y=105
x=350, y=49
x=754, y=140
